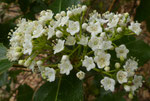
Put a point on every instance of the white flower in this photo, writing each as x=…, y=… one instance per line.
x=73, y=27
x=50, y=74
x=113, y=22
x=70, y=40
x=94, y=28
x=122, y=76
x=65, y=66
x=108, y=83
x=121, y=51
x=38, y=31
x=102, y=60
x=51, y=32
x=31, y=66
x=27, y=46
x=46, y=15
x=127, y=88
x=64, y=21
x=137, y=81
x=88, y=63
x=83, y=40
x=12, y=55
x=95, y=43
x=106, y=45
x=59, y=46
x=135, y=27
x=80, y=75
x=130, y=66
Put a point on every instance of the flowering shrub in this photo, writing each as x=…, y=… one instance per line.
x=55, y=45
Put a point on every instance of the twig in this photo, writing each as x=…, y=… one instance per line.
x=112, y=4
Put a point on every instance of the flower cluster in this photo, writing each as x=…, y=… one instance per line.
x=57, y=44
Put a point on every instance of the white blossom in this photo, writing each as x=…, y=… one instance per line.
x=65, y=66
x=95, y=43
x=94, y=28
x=122, y=76
x=88, y=62
x=51, y=32
x=106, y=45
x=46, y=15
x=50, y=74
x=70, y=40
x=38, y=31
x=108, y=83
x=135, y=27
x=83, y=40
x=59, y=34
x=121, y=51
x=137, y=81
x=113, y=22
x=80, y=75
x=102, y=60
x=64, y=21
x=130, y=66
x=73, y=27
x=59, y=46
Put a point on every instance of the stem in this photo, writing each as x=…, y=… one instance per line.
x=74, y=50
x=59, y=82
x=100, y=71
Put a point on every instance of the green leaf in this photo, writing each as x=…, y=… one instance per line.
x=61, y=5
x=140, y=50
x=112, y=97
x=70, y=89
x=3, y=78
x=25, y=93
x=3, y=51
x=4, y=65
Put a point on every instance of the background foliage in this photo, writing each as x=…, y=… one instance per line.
x=71, y=89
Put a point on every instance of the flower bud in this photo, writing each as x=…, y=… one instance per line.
x=119, y=29
x=18, y=49
x=80, y=75
x=69, y=13
x=84, y=25
x=39, y=63
x=117, y=65
x=107, y=69
x=59, y=34
x=130, y=96
x=84, y=8
x=122, y=58
x=63, y=13
x=103, y=34
x=58, y=16
x=27, y=62
x=21, y=62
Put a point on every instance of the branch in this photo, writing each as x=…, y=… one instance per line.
x=112, y=4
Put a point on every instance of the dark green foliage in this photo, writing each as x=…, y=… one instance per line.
x=25, y=93
x=70, y=90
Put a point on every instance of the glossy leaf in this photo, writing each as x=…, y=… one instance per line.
x=140, y=50
x=5, y=65
x=70, y=90
x=3, y=50
x=25, y=93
